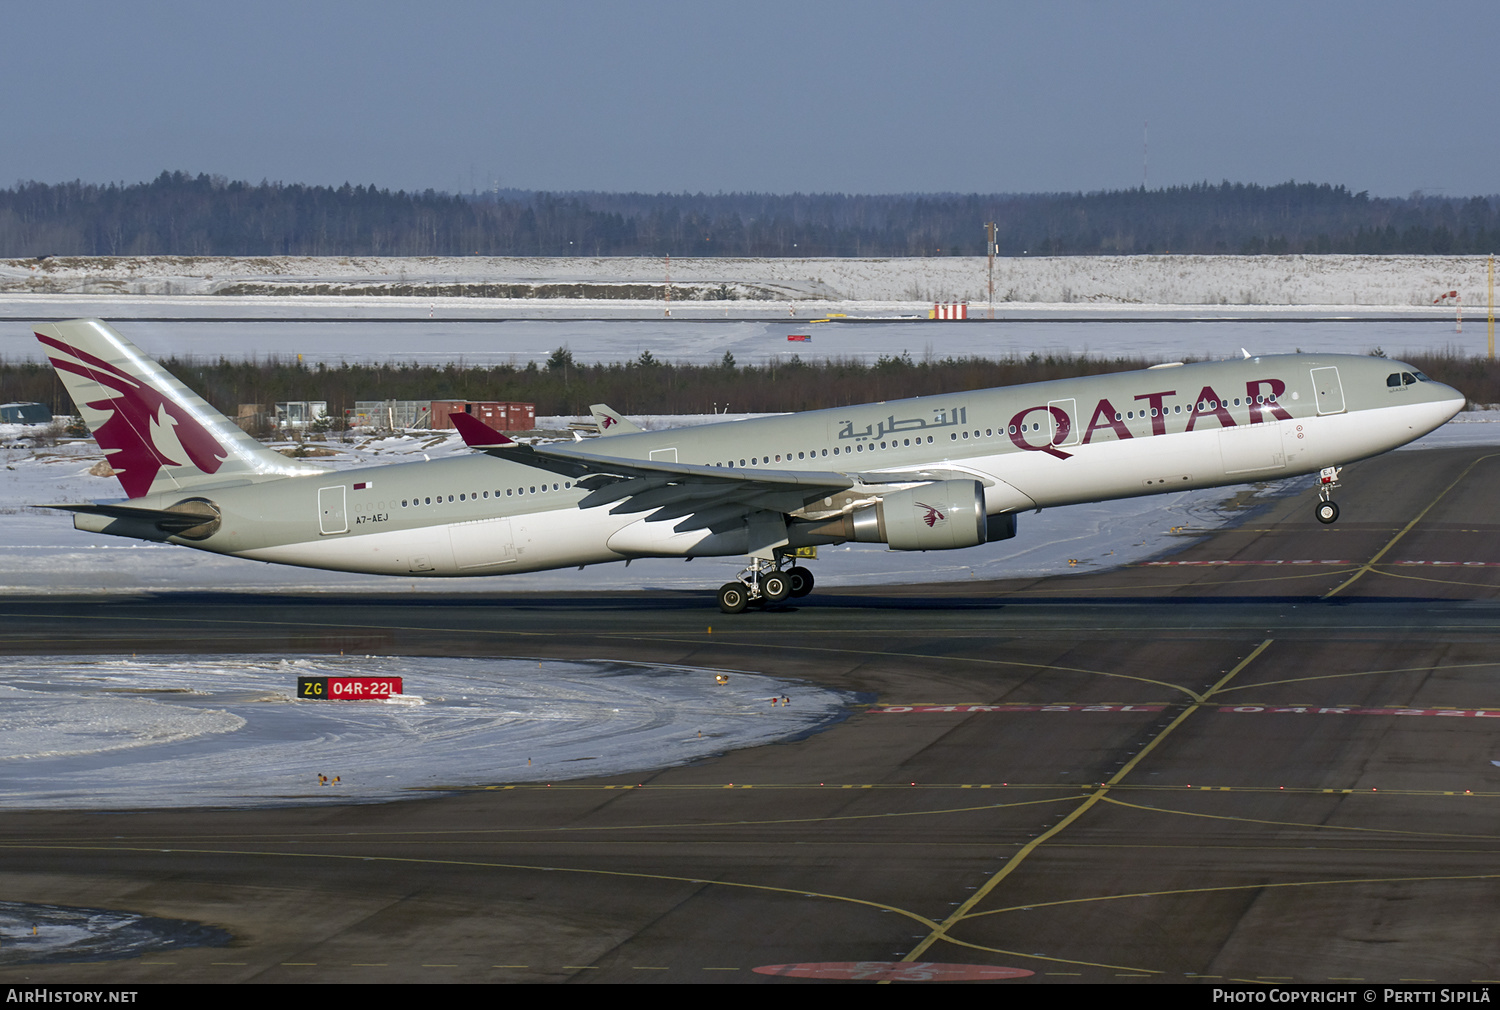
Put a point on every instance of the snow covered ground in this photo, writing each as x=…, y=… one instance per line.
x=913, y=282
x=1104, y=306
x=114, y=732
x=58, y=934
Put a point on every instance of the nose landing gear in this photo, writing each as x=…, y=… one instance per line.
x=1327, y=509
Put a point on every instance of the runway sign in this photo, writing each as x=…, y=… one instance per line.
x=347, y=688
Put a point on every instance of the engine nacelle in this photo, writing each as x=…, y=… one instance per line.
x=934, y=517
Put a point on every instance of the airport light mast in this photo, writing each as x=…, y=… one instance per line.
x=989, y=231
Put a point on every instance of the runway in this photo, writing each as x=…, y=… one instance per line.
x=1267, y=757
x=338, y=330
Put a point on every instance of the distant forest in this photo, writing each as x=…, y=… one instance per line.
x=184, y=215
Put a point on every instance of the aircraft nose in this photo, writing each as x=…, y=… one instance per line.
x=1445, y=403
x=1450, y=398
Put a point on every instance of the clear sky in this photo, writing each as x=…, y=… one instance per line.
x=868, y=97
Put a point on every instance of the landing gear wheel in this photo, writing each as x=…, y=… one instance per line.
x=775, y=587
x=801, y=581
x=1328, y=512
x=733, y=598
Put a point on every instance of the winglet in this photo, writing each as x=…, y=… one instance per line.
x=477, y=434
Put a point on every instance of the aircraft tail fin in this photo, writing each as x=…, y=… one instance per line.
x=158, y=435
x=611, y=421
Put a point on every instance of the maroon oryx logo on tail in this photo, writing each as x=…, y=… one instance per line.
x=145, y=430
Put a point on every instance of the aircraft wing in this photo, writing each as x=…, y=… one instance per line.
x=703, y=497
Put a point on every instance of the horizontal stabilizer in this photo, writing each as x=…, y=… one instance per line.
x=194, y=519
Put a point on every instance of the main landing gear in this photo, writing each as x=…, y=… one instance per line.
x=764, y=582
x=1328, y=509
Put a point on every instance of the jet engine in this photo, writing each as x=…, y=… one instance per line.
x=933, y=517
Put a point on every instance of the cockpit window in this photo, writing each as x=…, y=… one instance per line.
x=1422, y=378
x=1403, y=379
x=1394, y=379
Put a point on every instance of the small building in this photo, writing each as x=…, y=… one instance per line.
x=25, y=413
x=299, y=415
x=502, y=416
x=251, y=417
x=391, y=415
x=406, y=415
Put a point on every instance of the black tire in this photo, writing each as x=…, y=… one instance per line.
x=775, y=587
x=1328, y=512
x=801, y=581
x=733, y=597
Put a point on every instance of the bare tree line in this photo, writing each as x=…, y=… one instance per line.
x=181, y=214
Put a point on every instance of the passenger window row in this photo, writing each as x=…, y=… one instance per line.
x=814, y=453
x=465, y=496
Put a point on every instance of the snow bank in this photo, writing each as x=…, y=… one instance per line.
x=1109, y=280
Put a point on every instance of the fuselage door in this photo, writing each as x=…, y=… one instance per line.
x=1069, y=409
x=332, y=517
x=1328, y=390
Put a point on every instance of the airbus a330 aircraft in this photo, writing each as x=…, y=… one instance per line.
x=931, y=473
